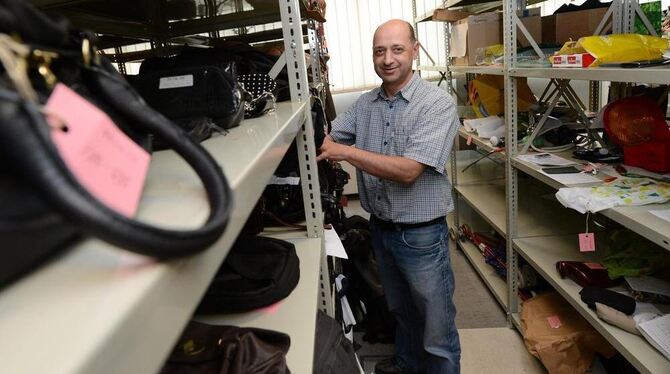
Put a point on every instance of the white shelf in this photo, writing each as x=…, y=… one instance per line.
x=543, y=253
x=642, y=75
x=428, y=16
x=485, y=171
x=538, y=215
x=635, y=218
x=295, y=315
x=493, y=70
x=482, y=143
x=493, y=281
x=100, y=309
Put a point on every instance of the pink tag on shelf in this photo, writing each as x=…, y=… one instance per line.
x=594, y=265
x=103, y=159
x=469, y=141
x=554, y=321
x=587, y=242
x=270, y=309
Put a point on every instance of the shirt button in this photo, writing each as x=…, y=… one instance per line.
x=385, y=143
x=379, y=197
x=391, y=106
x=388, y=124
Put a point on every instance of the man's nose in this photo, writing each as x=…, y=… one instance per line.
x=388, y=57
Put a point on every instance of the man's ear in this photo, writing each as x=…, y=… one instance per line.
x=415, y=50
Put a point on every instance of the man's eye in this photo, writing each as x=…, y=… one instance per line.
x=379, y=52
x=398, y=50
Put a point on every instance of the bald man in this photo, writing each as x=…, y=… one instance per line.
x=403, y=133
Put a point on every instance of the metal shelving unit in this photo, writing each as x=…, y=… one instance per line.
x=100, y=309
x=542, y=253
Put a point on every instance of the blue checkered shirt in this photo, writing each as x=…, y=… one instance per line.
x=419, y=123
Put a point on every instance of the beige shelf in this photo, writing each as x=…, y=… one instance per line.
x=493, y=281
x=538, y=214
x=97, y=303
x=641, y=75
x=486, y=171
x=542, y=253
x=635, y=218
x=482, y=143
x=295, y=315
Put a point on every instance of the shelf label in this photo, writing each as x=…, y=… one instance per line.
x=587, y=242
x=104, y=160
x=554, y=321
x=594, y=265
x=175, y=82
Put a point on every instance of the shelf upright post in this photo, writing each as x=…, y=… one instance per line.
x=455, y=147
x=309, y=178
x=315, y=53
x=416, y=33
x=509, y=39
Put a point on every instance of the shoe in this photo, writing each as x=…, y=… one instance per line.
x=390, y=366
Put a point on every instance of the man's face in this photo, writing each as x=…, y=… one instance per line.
x=393, y=53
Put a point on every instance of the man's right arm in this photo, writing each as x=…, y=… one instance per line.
x=344, y=127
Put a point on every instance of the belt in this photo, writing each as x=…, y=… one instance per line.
x=388, y=225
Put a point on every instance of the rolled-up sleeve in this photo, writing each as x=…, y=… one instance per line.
x=432, y=137
x=344, y=126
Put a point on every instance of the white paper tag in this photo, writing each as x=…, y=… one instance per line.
x=293, y=181
x=175, y=82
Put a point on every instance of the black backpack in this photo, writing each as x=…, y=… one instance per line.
x=333, y=352
x=257, y=272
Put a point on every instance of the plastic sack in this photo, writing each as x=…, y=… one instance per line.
x=556, y=334
x=623, y=47
x=491, y=55
x=487, y=96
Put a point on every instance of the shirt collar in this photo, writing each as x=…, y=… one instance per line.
x=406, y=92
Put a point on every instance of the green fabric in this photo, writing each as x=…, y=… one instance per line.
x=632, y=256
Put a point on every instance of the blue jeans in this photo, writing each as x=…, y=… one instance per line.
x=415, y=270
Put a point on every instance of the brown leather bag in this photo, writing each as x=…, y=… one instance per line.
x=210, y=349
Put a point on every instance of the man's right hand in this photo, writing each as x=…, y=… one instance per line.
x=333, y=151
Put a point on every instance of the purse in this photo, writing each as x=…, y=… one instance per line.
x=35, y=182
x=210, y=349
x=585, y=274
x=197, y=83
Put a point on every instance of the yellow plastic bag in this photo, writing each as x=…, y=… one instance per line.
x=487, y=95
x=623, y=47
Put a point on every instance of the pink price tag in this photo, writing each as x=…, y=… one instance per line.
x=594, y=265
x=554, y=321
x=587, y=242
x=270, y=309
x=469, y=141
x=102, y=158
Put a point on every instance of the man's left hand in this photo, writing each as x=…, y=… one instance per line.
x=333, y=151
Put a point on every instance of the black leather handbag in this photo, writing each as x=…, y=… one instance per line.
x=197, y=83
x=43, y=204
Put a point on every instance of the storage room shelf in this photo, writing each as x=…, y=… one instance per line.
x=482, y=143
x=139, y=25
x=100, y=309
x=641, y=75
x=635, y=218
x=485, y=171
x=295, y=315
x=543, y=253
x=493, y=70
x=493, y=281
x=428, y=16
x=538, y=215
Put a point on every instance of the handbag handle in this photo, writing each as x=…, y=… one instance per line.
x=26, y=140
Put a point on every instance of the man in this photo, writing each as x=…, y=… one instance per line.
x=403, y=133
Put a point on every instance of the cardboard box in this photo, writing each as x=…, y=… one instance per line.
x=577, y=60
x=483, y=30
x=560, y=28
x=449, y=15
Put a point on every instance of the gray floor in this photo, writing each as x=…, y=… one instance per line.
x=476, y=307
